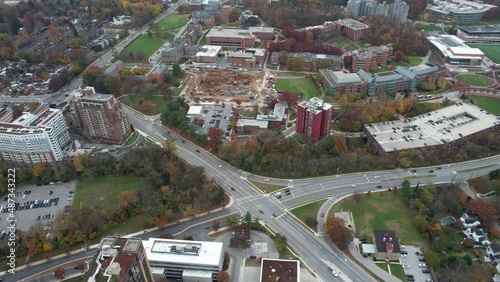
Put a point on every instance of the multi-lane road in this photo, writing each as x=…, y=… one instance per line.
x=313, y=250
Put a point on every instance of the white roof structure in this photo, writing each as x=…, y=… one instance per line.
x=459, y=7
x=431, y=129
x=454, y=47
x=340, y=77
x=230, y=32
x=252, y=122
x=194, y=110
x=368, y=248
x=208, y=51
x=183, y=252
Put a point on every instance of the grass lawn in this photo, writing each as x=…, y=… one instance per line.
x=300, y=85
x=474, y=79
x=291, y=73
x=105, y=190
x=308, y=210
x=351, y=47
x=488, y=104
x=132, y=138
x=341, y=41
x=203, y=39
x=267, y=188
x=133, y=225
x=387, y=211
x=491, y=51
x=360, y=44
x=173, y=21
x=397, y=270
x=146, y=44
x=383, y=266
x=414, y=61
x=381, y=68
x=159, y=104
x=429, y=27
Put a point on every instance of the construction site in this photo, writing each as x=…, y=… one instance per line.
x=226, y=85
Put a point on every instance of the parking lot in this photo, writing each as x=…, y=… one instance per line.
x=37, y=201
x=215, y=117
x=411, y=263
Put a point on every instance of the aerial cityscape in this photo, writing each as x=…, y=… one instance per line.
x=250, y=141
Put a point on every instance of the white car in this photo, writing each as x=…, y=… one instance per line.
x=405, y=266
x=422, y=265
x=377, y=176
x=353, y=185
x=266, y=180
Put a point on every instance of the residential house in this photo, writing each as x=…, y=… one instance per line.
x=478, y=235
x=493, y=252
x=469, y=220
x=387, y=245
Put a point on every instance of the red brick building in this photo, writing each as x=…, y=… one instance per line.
x=363, y=58
x=241, y=38
x=353, y=29
x=314, y=119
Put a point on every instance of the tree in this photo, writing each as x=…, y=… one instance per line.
x=56, y=83
x=59, y=273
x=421, y=224
x=398, y=56
x=374, y=65
x=462, y=198
x=406, y=192
x=283, y=57
x=90, y=75
x=248, y=218
x=295, y=63
x=432, y=259
x=280, y=242
x=441, y=82
x=369, y=194
x=232, y=221
x=338, y=232
x=215, y=225
x=340, y=144
x=288, y=97
x=147, y=105
x=176, y=70
x=214, y=137
x=485, y=210
x=38, y=169
x=309, y=38
x=113, y=85
x=223, y=276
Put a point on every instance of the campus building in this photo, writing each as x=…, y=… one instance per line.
x=479, y=34
x=247, y=58
x=398, y=10
x=208, y=54
x=314, y=119
x=119, y=259
x=311, y=60
x=452, y=125
x=183, y=259
x=460, y=11
x=99, y=117
x=34, y=138
x=276, y=270
x=387, y=245
x=239, y=38
x=364, y=57
x=353, y=29
x=454, y=51
x=400, y=80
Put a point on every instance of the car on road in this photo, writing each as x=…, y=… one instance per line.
x=197, y=151
x=322, y=214
x=274, y=215
x=431, y=171
x=183, y=141
x=51, y=192
x=207, y=227
x=353, y=185
x=266, y=180
x=409, y=276
x=422, y=265
x=421, y=259
x=426, y=271
x=377, y=176
x=232, y=188
x=405, y=266
x=379, y=186
x=261, y=211
x=413, y=170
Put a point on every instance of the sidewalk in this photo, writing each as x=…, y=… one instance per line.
x=368, y=264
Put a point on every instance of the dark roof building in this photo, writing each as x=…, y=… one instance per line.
x=274, y=270
x=387, y=245
x=479, y=34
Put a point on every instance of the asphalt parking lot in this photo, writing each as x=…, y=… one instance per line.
x=215, y=117
x=26, y=218
x=412, y=261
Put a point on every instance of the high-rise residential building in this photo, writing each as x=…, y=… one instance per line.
x=397, y=11
x=34, y=138
x=99, y=117
x=183, y=259
x=314, y=118
x=119, y=259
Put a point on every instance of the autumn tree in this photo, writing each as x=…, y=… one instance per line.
x=340, y=144
x=309, y=38
x=56, y=83
x=232, y=221
x=223, y=276
x=373, y=65
x=215, y=225
x=398, y=56
x=288, y=97
x=39, y=169
x=90, y=75
x=153, y=78
x=113, y=85
x=485, y=210
x=462, y=198
x=295, y=63
x=59, y=273
x=338, y=233
x=214, y=137
x=147, y=105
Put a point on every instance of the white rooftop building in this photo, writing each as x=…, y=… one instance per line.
x=453, y=124
x=461, y=11
x=175, y=259
x=454, y=50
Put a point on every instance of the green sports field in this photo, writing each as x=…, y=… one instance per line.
x=173, y=21
x=145, y=44
x=474, y=79
x=492, y=51
x=299, y=85
x=488, y=104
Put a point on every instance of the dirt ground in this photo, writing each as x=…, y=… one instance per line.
x=216, y=84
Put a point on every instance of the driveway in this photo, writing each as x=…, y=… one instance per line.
x=412, y=260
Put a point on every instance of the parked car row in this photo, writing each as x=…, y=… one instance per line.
x=43, y=217
x=31, y=205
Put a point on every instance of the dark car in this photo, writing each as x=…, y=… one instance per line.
x=413, y=170
x=379, y=186
x=404, y=252
x=431, y=171
x=322, y=215
x=207, y=227
x=183, y=141
x=421, y=259
x=274, y=214
x=232, y=188
x=51, y=192
x=409, y=276
x=197, y=151
x=425, y=271
x=261, y=211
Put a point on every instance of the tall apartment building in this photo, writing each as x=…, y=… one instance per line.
x=362, y=58
x=119, y=259
x=314, y=118
x=187, y=260
x=99, y=117
x=397, y=11
x=34, y=138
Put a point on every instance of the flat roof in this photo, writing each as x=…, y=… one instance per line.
x=315, y=105
x=460, y=7
x=252, y=122
x=280, y=108
x=454, y=47
x=430, y=129
x=208, y=51
x=261, y=29
x=368, y=248
x=230, y=32
x=196, y=273
x=282, y=270
x=340, y=77
x=352, y=23
x=194, y=110
x=183, y=251
x=491, y=29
